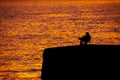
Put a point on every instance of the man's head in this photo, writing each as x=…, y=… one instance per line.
x=87, y=33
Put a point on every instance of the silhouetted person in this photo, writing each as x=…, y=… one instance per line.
x=85, y=39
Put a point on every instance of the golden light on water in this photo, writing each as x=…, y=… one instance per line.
x=27, y=29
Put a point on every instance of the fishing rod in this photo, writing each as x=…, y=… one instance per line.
x=77, y=37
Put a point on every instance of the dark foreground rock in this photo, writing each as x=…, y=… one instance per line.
x=81, y=62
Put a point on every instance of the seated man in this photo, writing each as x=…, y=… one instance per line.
x=85, y=39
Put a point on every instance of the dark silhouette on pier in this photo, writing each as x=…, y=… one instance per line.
x=85, y=39
x=80, y=62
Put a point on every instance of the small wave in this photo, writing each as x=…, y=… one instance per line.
x=31, y=70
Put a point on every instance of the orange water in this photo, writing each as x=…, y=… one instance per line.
x=26, y=30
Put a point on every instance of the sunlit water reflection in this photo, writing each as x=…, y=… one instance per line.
x=25, y=31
